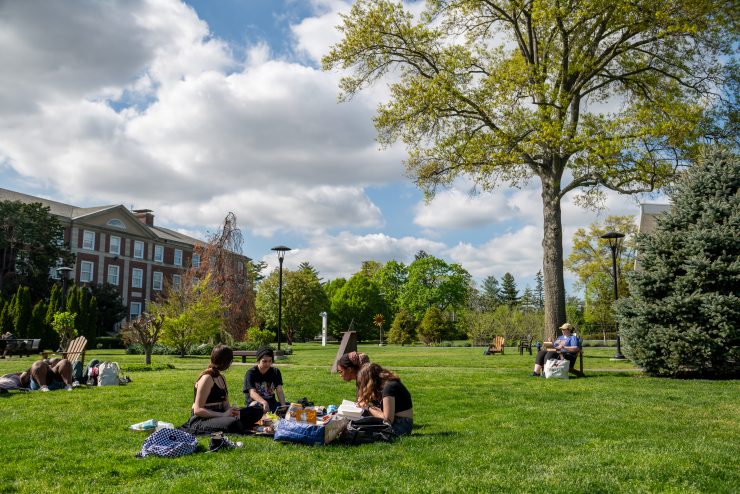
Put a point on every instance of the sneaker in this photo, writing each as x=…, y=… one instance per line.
x=68, y=388
x=44, y=388
x=75, y=384
x=534, y=374
x=231, y=444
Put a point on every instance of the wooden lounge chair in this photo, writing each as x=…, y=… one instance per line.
x=497, y=346
x=76, y=350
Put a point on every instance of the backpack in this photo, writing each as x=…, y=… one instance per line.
x=77, y=371
x=368, y=430
x=108, y=374
x=90, y=374
x=169, y=443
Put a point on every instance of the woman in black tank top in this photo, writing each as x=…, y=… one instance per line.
x=211, y=411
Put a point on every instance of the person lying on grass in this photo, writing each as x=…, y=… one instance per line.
x=349, y=365
x=565, y=345
x=381, y=393
x=211, y=411
x=263, y=381
x=44, y=375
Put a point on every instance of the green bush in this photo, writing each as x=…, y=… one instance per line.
x=260, y=337
x=683, y=316
x=146, y=368
x=109, y=342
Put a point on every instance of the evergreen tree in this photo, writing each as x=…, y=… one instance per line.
x=527, y=301
x=22, y=312
x=539, y=291
x=509, y=291
x=8, y=315
x=92, y=316
x=110, y=309
x=55, y=304
x=683, y=318
x=491, y=295
x=37, y=325
x=72, y=300
x=432, y=327
x=403, y=329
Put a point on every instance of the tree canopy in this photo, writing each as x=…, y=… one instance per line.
x=617, y=93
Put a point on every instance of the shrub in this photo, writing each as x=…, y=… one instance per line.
x=109, y=342
x=260, y=337
x=683, y=318
x=145, y=367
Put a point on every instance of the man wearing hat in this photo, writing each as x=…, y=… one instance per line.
x=262, y=382
x=565, y=345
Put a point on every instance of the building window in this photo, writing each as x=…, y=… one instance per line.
x=137, y=275
x=176, y=280
x=196, y=260
x=135, y=310
x=115, y=245
x=88, y=240
x=158, y=253
x=157, y=281
x=138, y=249
x=86, y=272
x=113, y=275
x=178, y=257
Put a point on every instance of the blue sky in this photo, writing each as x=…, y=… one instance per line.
x=200, y=108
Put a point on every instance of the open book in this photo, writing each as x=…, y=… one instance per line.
x=349, y=410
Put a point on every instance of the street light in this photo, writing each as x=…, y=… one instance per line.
x=63, y=272
x=281, y=250
x=614, y=239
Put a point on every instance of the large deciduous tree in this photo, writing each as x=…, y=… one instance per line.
x=30, y=246
x=582, y=95
x=432, y=282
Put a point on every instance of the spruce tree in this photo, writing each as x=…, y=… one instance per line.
x=683, y=316
x=509, y=291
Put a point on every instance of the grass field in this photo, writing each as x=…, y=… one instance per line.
x=481, y=425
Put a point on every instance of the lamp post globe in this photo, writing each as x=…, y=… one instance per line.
x=281, y=250
x=614, y=239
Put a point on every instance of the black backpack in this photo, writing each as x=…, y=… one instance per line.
x=368, y=430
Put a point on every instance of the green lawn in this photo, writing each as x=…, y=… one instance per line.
x=482, y=425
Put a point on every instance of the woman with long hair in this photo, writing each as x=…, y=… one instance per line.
x=350, y=364
x=211, y=410
x=381, y=393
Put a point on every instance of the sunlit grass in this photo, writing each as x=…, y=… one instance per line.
x=482, y=425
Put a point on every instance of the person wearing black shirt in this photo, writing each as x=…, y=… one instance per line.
x=263, y=382
x=381, y=393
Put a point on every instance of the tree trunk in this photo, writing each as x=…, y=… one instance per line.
x=552, y=262
x=148, y=356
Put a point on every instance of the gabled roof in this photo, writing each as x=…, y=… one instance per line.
x=649, y=214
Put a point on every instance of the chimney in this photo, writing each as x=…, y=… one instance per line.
x=146, y=216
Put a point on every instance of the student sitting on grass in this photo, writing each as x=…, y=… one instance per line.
x=211, y=410
x=349, y=365
x=263, y=381
x=381, y=393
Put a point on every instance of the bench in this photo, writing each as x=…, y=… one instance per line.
x=20, y=346
x=253, y=353
x=525, y=344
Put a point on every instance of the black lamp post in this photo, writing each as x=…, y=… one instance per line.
x=614, y=239
x=281, y=250
x=63, y=272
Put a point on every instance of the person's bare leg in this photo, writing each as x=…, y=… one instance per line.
x=40, y=372
x=63, y=369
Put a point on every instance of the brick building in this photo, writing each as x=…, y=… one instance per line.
x=121, y=247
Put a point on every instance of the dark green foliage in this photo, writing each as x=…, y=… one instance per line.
x=433, y=327
x=29, y=247
x=403, y=329
x=683, y=318
x=433, y=282
x=509, y=291
x=36, y=325
x=6, y=316
x=539, y=290
x=22, y=312
x=355, y=306
x=92, y=316
x=55, y=304
x=491, y=296
x=110, y=307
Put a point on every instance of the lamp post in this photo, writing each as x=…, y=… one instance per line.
x=614, y=239
x=281, y=250
x=63, y=272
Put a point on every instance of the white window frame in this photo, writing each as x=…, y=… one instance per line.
x=157, y=281
x=112, y=268
x=135, y=278
x=131, y=313
x=88, y=240
x=90, y=272
x=117, y=249
x=176, y=280
x=195, y=261
x=177, y=261
x=158, y=253
x=138, y=249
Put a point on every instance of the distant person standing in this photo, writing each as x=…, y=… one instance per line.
x=7, y=336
